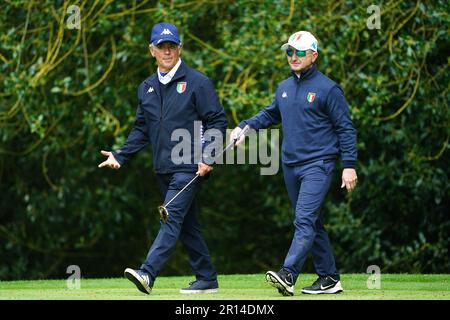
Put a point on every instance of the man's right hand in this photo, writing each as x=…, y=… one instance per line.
x=234, y=134
x=111, y=162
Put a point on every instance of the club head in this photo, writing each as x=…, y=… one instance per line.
x=163, y=213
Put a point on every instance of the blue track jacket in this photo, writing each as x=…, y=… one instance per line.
x=315, y=120
x=188, y=97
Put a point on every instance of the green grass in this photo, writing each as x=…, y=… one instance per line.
x=232, y=287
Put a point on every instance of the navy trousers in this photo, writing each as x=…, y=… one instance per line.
x=183, y=225
x=307, y=186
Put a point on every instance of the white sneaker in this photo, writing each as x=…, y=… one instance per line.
x=140, y=278
x=282, y=280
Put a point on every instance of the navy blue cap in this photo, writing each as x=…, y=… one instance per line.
x=164, y=31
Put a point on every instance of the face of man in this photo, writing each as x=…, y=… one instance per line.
x=299, y=63
x=166, y=55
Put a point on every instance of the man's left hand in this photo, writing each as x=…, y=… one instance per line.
x=203, y=169
x=349, y=179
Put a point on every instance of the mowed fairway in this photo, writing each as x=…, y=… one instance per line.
x=232, y=287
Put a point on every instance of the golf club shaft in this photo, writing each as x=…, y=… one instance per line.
x=187, y=185
x=231, y=144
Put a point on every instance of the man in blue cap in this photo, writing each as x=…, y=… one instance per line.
x=317, y=129
x=175, y=97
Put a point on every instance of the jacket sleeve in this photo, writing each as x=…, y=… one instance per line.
x=211, y=113
x=265, y=118
x=338, y=110
x=137, y=139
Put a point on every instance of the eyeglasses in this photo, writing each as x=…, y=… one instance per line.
x=299, y=53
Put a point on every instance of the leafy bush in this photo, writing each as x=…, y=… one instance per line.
x=67, y=93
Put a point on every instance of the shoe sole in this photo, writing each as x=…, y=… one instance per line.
x=275, y=281
x=334, y=290
x=206, y=291
x=131, y=275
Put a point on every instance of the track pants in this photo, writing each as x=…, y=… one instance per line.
x=183, y=225
x=307, y=186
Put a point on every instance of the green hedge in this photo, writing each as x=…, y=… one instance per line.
x=67, y=93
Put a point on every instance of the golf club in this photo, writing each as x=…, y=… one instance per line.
x=164, y=214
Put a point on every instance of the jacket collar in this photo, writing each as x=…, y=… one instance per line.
x=306, y=74
x=169, y=75
x=181, y=72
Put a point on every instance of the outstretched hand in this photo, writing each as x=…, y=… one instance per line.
x=111, y=162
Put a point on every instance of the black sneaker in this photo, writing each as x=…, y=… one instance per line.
x=201, y=286
x=282, y=280
x=328, y=284
x=141, y=279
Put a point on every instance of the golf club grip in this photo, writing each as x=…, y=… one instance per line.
x=242, y=133
x=232, y=143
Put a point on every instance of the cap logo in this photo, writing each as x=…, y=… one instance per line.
x=166, y=31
